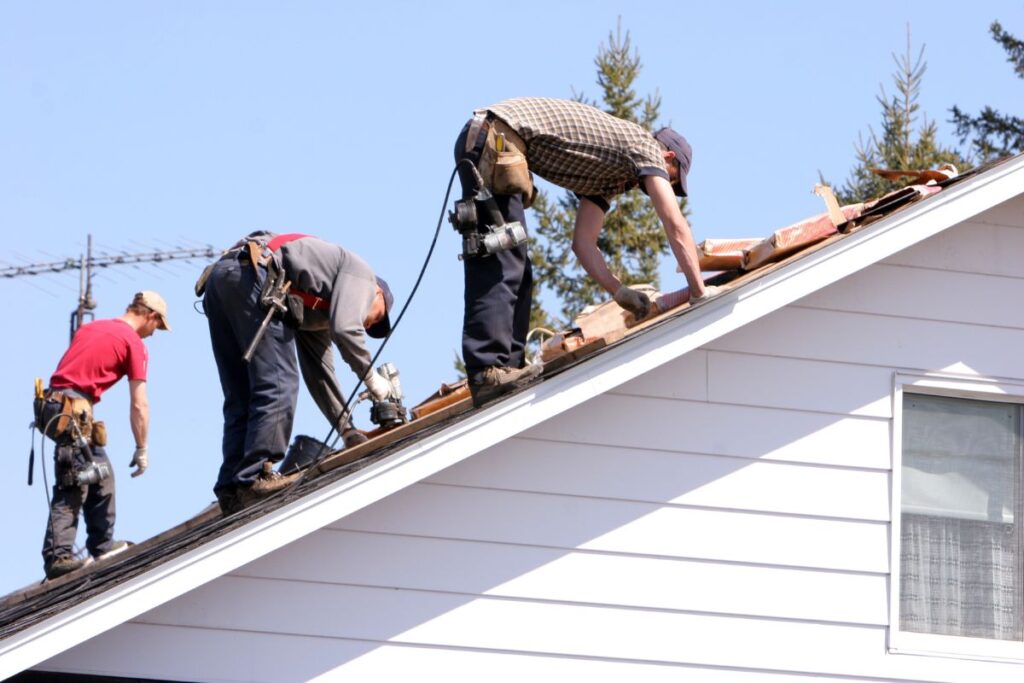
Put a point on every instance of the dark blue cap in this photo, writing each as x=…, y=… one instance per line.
x=684, y=155
x=382, y=327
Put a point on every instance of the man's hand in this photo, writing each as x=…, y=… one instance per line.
x=637, y=303
x=379, y=388
x=140, y=461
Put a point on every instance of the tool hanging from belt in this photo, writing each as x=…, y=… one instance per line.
x=278, y=296
x=497, y=235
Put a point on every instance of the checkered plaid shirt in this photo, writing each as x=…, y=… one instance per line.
x=581, y=148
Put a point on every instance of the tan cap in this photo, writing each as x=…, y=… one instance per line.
x=155, y=303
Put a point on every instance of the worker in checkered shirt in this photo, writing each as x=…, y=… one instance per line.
x=596, y=156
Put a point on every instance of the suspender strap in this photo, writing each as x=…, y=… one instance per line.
x=281, y=240
x=475, y=127
x=311, y=300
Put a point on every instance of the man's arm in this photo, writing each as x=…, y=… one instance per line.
x=589, y=221
x=316, y=360
x=139, y=413
x=139, y=417
x=677, y=230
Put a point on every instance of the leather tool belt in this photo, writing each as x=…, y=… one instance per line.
x=502, y=161
x=75, y=410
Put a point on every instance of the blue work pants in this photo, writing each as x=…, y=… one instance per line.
x=259, y=396
x=498, y=288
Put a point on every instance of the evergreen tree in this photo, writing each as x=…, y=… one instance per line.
x=632, y=240
x=897, y=147
x=995, y=135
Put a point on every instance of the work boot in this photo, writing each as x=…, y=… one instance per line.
x=116, y=548
x=353, y=437
x=492, y=382
x=227, y=499
x=267, y=484
x=62, y=566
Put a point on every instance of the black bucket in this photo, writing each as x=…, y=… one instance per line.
x=302, y=453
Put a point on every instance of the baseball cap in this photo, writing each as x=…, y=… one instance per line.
x=684, y=155
x=155, y=303
x=382, y=327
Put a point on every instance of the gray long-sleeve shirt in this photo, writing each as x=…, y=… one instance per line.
x=346, y=281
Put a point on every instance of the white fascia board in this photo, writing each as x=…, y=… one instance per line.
x=432, y=454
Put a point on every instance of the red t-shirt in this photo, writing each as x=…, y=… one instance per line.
x=101, y=353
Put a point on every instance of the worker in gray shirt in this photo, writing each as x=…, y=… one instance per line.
x=341, y=301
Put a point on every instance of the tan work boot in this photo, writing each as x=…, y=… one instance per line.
x=494, y=381
x=64, y=565
x=352, y=437
x=267, y=484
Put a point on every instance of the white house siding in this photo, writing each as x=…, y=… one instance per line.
x=722, y=519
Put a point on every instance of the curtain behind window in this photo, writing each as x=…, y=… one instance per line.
x=960, y=551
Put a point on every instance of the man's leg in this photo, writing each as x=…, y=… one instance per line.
x=274, y=389
x=225, y=290
x=99, y=509
x=497, y=297
x=492, y=283
x=521, y=317
x=62, y=527
x=259, y=396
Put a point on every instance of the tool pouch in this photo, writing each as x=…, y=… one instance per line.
x=99, y=434
x=200, y=286
x=503, y=163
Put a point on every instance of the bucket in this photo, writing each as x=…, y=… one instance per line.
x=301, y=454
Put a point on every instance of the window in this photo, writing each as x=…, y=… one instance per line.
x=958, y=536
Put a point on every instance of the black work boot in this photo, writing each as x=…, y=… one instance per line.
x=493, y=382
x=227, y=499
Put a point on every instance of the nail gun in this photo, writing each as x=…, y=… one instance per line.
x=389, y=412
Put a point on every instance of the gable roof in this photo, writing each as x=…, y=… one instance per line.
x=42, y=622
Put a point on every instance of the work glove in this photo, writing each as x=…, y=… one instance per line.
x=709, y=291
x=378, y=386
x=140, y=461
x=637, y=303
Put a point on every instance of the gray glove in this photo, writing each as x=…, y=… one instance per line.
x=378, y=387
x=140, y=461
x=709, y=291
x=633, y=301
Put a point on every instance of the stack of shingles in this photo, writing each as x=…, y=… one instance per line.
x=751, y=254
x=608, y=322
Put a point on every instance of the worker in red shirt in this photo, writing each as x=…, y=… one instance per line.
x=101, y=353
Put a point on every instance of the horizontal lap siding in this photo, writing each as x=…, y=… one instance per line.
x=687, y=479
x=157, y=653
x=722, y=518
x=346, y=621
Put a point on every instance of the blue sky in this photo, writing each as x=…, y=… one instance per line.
x=156, y=124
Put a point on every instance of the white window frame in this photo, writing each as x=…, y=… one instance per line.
x=906, y=642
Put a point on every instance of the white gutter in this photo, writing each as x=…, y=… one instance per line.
x=429, y=455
